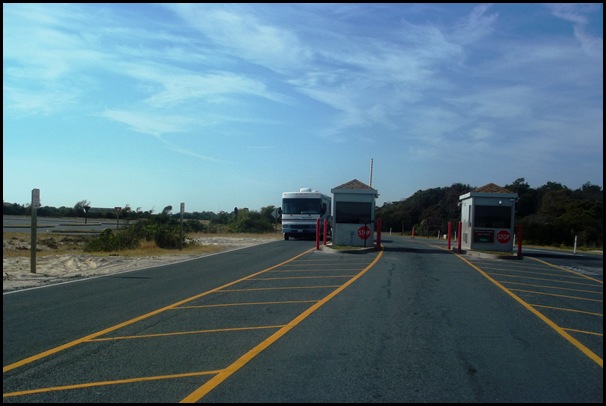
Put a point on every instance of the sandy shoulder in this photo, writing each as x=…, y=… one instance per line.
x=52, y=269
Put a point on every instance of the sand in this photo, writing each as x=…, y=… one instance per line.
x=51, y=269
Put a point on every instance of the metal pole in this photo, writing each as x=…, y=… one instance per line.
x=379, y=226
x=181, y=233
x=33, y=242
x=317, y=234
x=370, y=183
x=34, y=230
x=182, y=210
x=520, y=240
x=460, y=226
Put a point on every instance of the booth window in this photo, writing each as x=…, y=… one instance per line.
x=492, y=217
x=469, y=216
x=353, y=212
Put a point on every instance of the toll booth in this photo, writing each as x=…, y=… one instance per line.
x=487, y=218
x=353, y=214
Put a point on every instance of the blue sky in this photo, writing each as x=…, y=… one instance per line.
x=229, y=105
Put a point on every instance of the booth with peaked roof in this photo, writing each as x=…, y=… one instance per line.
x=353, y=214
x=487, y=218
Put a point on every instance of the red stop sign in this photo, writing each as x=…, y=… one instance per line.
x=364, y=232
x=503, y=236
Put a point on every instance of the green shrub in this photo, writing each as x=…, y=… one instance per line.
x=167, y=237
x=110, y=241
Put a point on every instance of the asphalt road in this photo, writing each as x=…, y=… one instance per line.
x=282, y=322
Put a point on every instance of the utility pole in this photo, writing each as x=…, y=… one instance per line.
x=34, y=209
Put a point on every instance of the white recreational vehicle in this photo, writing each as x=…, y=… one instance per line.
x=301, y=210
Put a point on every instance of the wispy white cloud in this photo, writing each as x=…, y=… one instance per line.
x=147, y=123
x=178, y=89
x=20, y=101
x=242, y=33
x=578, y=15
x=475, y=26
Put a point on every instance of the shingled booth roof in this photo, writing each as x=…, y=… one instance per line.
x=492, y=188
x=355, y=185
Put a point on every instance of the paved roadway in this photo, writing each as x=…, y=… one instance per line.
x=282, y=322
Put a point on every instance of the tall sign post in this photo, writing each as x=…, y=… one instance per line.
x=459, y=228
x=118, y=208
x=276, y=213
x=34, y=208
x=181, y=227
x=86, y=209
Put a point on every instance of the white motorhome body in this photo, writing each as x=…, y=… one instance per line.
x=301, y=210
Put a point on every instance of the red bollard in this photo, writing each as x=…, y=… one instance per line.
x=317, y=234
x=519, y=241
x=325, y=229
x=379, y=225
x=449, y=232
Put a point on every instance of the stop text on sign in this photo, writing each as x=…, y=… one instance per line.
x=364, y=232
x=503, y=236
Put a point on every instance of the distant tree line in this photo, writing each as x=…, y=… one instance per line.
x=551, y=215
x=79, y=210
x=165, y=228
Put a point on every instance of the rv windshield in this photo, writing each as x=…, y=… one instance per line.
x=301, y=206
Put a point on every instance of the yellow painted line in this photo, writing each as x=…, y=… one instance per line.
x=567, y=270
x=244, y=359
x=553, y=287
x=567, y=310
x=584, y=332
x=301, y=277
x=244, y=304
x=535, y=292
x=282, y=288
x=594, y=357
x=180, y=333
x=90, y=337
x=315, y=270
x=106, y=383
x=542, y=279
